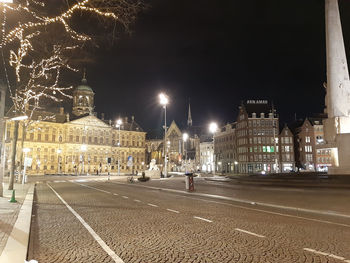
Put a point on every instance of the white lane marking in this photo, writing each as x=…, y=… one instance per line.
x=136, y=200
x=115, y=194
x=327, y=254
x=152, y=205
x=254, y=209
x=125, y=197
x=98, y=239
x=204, y=219
x=94, y=188
x=171, y=210
x=248, y=232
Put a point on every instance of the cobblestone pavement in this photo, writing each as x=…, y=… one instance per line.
x=145, y=225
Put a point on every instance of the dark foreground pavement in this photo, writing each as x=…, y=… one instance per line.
x=97, y=221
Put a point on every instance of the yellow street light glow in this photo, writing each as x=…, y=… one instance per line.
x=185, y=136
x=26, y=150
x=19, y=118
x=163, y=99
x=119, y=122
x=213, y=127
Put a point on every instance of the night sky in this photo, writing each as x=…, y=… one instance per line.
x=216, y=54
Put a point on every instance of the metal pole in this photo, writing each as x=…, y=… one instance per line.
x=214, y=156
x=165, y=146
x=119, y=150
x=13, y=155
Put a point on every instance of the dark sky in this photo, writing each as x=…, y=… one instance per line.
x=216, y=53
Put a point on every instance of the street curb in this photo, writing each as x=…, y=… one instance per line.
x=16, y=247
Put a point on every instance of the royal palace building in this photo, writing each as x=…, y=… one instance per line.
x=77, y=143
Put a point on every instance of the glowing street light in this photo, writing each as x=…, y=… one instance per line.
x=119, y=123
x=163, y=99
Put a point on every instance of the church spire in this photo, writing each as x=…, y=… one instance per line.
x=189, y=119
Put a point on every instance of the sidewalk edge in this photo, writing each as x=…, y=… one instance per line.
x=16, y=247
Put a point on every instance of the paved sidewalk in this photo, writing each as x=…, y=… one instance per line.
x=9, y=211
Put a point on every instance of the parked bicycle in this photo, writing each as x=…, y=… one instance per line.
x=130, y=179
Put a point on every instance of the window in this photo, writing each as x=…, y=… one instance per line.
x=308, y=148
x=307, y=139
x=77, y=138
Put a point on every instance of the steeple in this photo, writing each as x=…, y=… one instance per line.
x=189, y=118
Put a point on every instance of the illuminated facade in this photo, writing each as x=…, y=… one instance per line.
x=84, y=144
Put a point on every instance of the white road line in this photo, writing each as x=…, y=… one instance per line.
x=115, y=194
x=136, y=200
x=248, y=232
x=327, y=254
x=204, y=219
x=152, y=205
x=255, y=209
x=94, y=188
x=125, y=197
x=98, y=239
x=171, y=210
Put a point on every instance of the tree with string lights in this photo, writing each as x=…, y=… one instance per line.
x=39, y=40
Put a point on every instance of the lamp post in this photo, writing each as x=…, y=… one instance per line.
x=83, y=149
x=16, y=119
x=59, y=151
x=24, y=178
x=213, y=128
x=184, y=139
x=164, y=101
x=119, y=123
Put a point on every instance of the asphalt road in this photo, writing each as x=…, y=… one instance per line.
x=112, y=221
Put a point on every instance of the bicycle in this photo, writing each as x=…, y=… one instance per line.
x=130, y=179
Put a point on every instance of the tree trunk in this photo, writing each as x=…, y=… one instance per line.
x=13, y=156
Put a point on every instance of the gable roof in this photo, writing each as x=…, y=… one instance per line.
x=90, y=120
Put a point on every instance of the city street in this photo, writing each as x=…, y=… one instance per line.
x=85, y=220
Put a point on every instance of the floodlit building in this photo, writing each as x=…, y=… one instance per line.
x=225, y=149
x=207, y=157
x=286, y=150
x=79, y=143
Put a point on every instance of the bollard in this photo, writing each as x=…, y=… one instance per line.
x=13, y=199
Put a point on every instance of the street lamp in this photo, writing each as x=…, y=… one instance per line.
x=24, y=178
x=59, y=151
x=184, y=139
x=83, y=148
x=119, y=123
x=213, y=128
x=163, y=99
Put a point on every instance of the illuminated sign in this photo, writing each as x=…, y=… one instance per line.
x=257, y=102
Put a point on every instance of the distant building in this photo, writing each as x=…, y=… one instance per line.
x=79, y=143
x=257, y=132
x=225, y=149
x=207, y=157
x=310, y=151
x=286, y=150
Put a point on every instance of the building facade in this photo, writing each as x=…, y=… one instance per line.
x=286, y=150
x=79, y=143
x=257, y=132
x=225, y=149
x=207, y=163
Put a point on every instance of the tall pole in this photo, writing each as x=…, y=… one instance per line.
x=13, y=155
x=165, y=146
x=119, y=149
x=2, y=131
